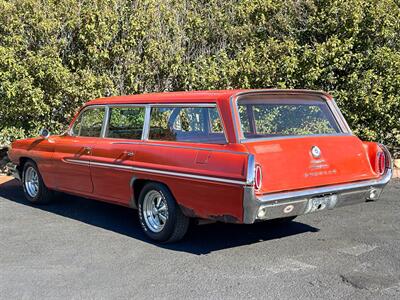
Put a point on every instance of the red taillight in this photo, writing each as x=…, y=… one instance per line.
x=258, y=178
x=380, y=163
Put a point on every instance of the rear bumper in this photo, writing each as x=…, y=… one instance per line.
x=294, y=203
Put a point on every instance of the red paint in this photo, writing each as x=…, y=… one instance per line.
x=286, y=163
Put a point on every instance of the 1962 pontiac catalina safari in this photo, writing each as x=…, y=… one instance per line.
x=237, y=156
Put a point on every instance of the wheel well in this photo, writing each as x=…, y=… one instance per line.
x=22, y=162
x=138, y=185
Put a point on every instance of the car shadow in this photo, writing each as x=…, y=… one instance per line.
x=202, y=239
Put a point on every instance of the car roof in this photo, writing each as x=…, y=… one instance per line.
x=193, y=96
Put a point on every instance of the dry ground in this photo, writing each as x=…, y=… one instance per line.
x=78, y=248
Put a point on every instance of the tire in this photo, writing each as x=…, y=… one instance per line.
x=35, y=190
x=160, y=216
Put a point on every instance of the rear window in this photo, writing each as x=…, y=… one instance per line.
x=262, y=118
x=186, y=124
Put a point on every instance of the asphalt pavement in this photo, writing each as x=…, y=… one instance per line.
x=83, y=249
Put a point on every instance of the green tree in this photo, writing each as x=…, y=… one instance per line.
x=56, y=55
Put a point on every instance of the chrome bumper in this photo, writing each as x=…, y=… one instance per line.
x=280, y=205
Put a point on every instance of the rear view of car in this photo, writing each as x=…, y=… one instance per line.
x=306, y=158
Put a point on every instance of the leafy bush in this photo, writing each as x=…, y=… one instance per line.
x=56, y=55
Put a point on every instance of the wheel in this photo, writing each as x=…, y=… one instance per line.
x=35, y=190
x=160, y=216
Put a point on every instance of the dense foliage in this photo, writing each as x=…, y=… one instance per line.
x=56, y=55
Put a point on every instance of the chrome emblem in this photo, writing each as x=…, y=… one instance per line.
x=315, y=151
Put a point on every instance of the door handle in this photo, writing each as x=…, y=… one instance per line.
x=129, y=153
x=87, y=150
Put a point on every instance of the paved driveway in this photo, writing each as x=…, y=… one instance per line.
x=78, y=248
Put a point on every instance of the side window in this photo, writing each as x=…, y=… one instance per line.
x=160, y=126
x=76, y=128
x=89, y=123
x=126, y=122
x=186, y=124
x=190, y=119
x=215, y=121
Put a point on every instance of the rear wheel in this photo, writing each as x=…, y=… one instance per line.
x=160, y=216
x=35, y=190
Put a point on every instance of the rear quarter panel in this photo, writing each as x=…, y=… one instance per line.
x=199, y=198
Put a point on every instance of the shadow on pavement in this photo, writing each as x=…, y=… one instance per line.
x=200, y=240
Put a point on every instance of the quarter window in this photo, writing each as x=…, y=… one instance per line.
x=89, y=123
x=186, y=124
x=126, y=122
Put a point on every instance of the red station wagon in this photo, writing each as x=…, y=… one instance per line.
x=237, y=156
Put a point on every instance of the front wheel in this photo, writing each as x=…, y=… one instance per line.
x=160, y=216
x=35, y=190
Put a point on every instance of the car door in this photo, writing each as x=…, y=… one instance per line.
x=114, y=154
x=73, y=151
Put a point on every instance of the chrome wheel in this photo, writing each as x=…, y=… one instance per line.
x=155, y=210
x=31, y=182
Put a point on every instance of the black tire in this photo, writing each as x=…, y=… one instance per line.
x=176, y=224
x=43, y=195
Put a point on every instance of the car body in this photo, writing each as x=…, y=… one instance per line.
x=237, y=156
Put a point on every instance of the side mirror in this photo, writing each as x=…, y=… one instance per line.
x=44, y=133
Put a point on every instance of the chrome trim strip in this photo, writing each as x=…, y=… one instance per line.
x=233, y=115
x=180, y=147
x=76, y=161
x=146, y=125
x=327, y=189
x=273, y=204
x=147, y=170
x=339, y=112
x=291, y=137
x=105, y=121
x=184, y=104
x=274, y=91
x=126, y=105
x=251, y=167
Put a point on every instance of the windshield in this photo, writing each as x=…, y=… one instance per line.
x=261, y=118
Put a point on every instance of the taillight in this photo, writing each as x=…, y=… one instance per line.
x=258, y=178
x=380, y=162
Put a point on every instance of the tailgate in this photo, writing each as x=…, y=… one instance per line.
x=304, y=162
